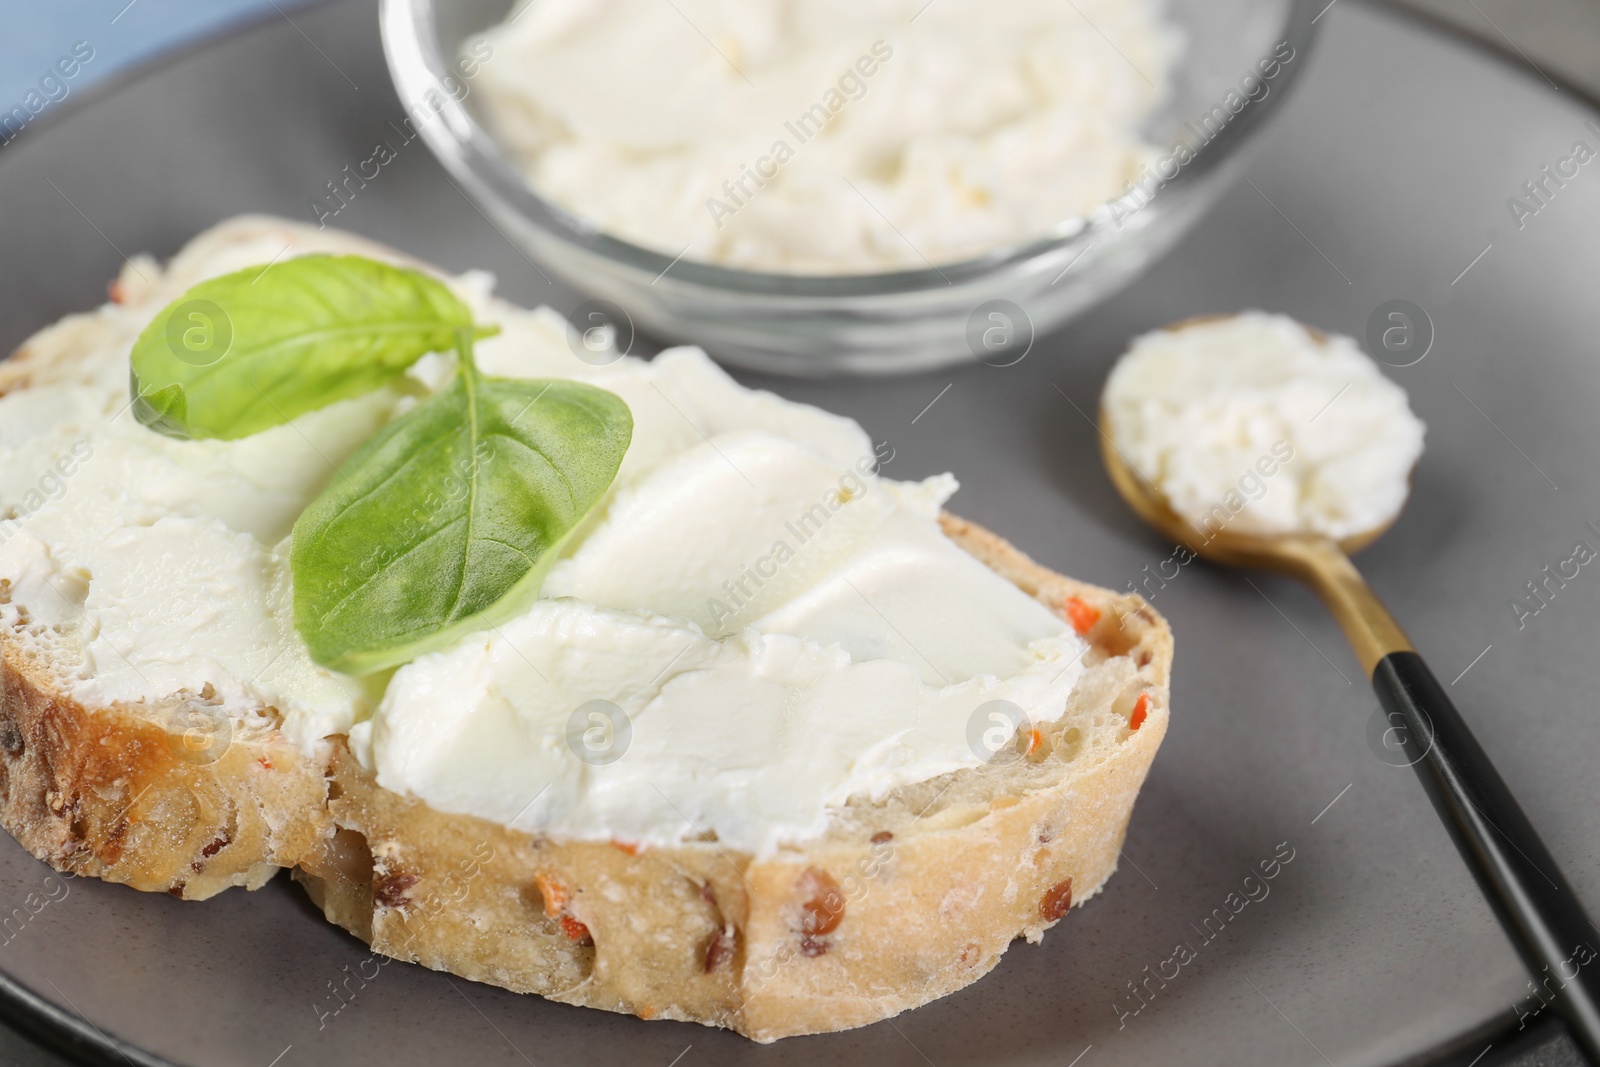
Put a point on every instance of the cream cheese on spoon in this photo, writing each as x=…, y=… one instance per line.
x=1253, y=422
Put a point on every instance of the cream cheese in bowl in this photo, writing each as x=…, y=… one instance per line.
x=832, y=136
x=809, y=188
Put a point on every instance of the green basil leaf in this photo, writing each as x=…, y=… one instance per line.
x=446, y=520
x=251, y=350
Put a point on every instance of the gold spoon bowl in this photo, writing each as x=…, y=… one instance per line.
x=1320, y=561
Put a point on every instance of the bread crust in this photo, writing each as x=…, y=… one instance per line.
x=900, y=902
x=168, y=806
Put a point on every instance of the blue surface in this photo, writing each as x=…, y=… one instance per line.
x=35, y=35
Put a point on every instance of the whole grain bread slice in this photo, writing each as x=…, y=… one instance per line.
x=898, y=903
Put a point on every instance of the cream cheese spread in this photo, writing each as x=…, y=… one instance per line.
x=831, y=136
x=1254, y=423
x=766, y=625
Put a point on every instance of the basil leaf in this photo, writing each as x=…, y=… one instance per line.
x=251, y=350
x=446, y=520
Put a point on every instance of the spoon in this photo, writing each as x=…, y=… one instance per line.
x=1516, y=872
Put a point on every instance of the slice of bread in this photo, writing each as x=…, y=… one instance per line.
x=900, y=902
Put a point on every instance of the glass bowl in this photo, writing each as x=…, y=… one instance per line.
x=988, y=308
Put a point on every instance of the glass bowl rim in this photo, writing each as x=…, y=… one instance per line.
x=417, y=66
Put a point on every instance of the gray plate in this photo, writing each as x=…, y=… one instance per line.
x=1388, y=175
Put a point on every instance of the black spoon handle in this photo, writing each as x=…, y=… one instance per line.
x=1538, y=909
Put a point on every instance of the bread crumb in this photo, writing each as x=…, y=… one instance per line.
x=960, y=898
